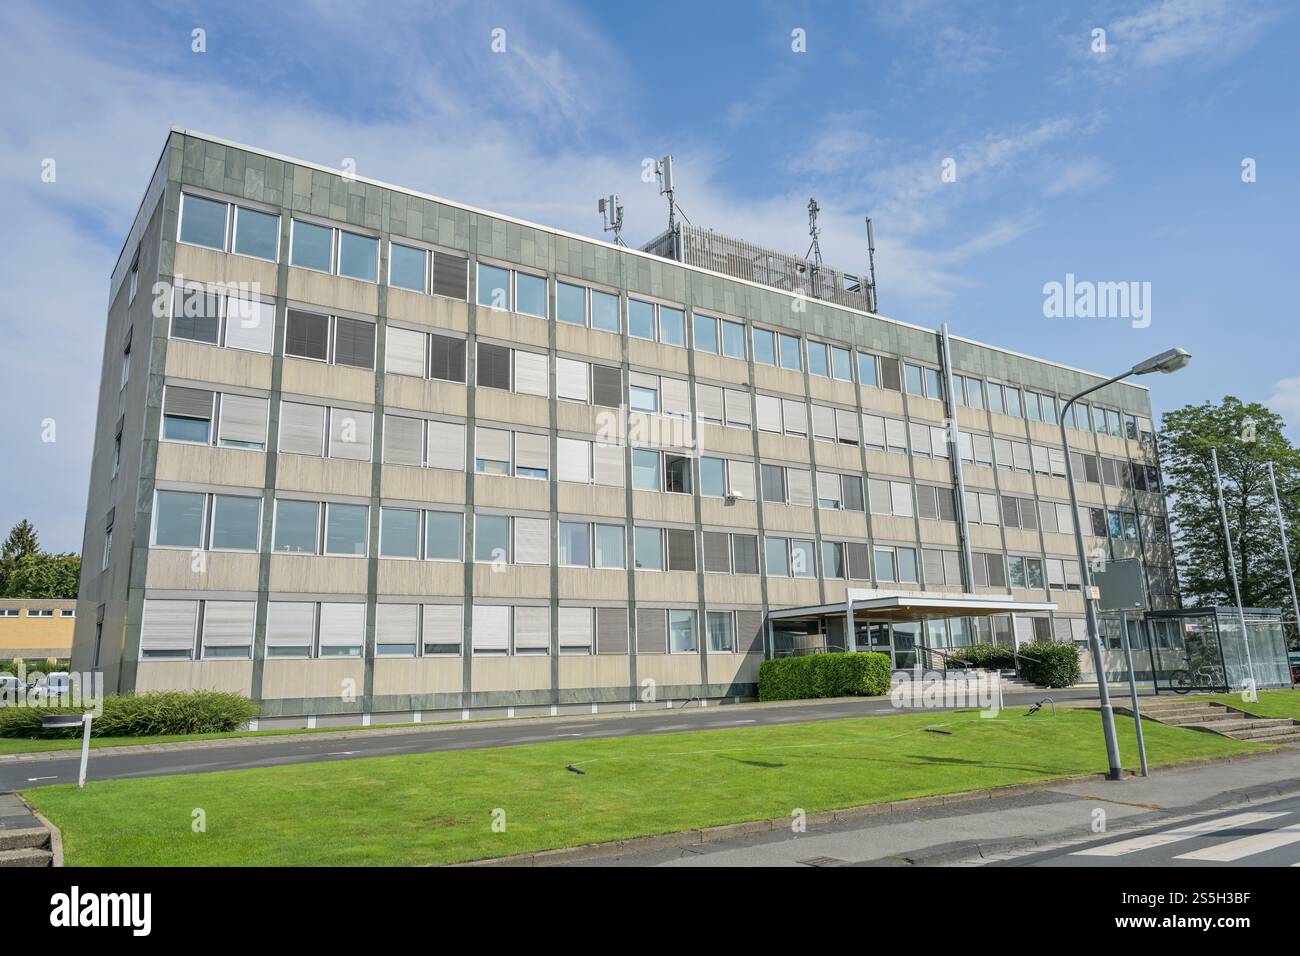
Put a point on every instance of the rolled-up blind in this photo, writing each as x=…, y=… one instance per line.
x=651, y=631
x=920, y=433
x=823, y=417
x=290, y=624
x=447, y=445
x=492, y=444
x=932, y=565
x=983, y=450
x=229, y=623
x=768, y=409
x=573, y=456
x=530, y=373
x=796, y=416
x=611, y=630
x=575, y=627
x=607, y=464
x=302, y=429
x=708, y=400
x=532, y=541
x=397, y=623
x=188, y=402
x=571, y=380
x=532, y=628
x=243, y=419
x=404, y=352
x=1056, y=461
x=1041, y=459
x=798, y=483
x=675, y=396
x=952, y=567
x=250, y=324
x=442, y=624
x=351, y=434
x=490, y=630
x=643, y=380
x=740, y=479
x=1020, y=456
x=532, y=451
x=828, y=487
x=900, y=498
x=342, y=624
x=403, y=440
x=738, y=410
x=873, y=427
x=895, y=433
x=846, y=426
x=169, y=625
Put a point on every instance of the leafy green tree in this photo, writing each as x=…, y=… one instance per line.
x=21, y=542
x=44, y=575
x=1247, y=437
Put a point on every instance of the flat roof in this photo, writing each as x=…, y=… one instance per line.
x=917, y=605
x=627, y=250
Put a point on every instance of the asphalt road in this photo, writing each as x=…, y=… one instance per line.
x=312, y=748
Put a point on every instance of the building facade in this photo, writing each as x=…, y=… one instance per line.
x=368, y=455
x=36, y=629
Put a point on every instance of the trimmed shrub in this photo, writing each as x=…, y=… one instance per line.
x=161, y=713
x=1049, y=663
x=824, y=675
x=994, y=657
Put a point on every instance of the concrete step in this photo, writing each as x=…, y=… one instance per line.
x=25, y=857
x=1290, y=737
x=1175, y=705
x=1248, y=730
x=28, y=838
x=1182, y=718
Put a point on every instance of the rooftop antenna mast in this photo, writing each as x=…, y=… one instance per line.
x=815, y=249
x=871, y=267
x=611, y=215
x=664, y=174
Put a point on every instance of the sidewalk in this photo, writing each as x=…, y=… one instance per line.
x=980, y=829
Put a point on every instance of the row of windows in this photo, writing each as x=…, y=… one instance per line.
x=208, y=629
x=44, y=612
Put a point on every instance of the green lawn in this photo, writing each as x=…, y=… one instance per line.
x=438, y=807
x=26, y=745
x=1271, y=703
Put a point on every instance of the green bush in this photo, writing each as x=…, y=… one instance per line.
x=994, y=657
x=824, y=675
x=155, y=714
x=1049, y=663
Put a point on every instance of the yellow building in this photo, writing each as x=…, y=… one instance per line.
x=36, y=628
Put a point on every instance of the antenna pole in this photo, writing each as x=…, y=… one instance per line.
x=871, y=266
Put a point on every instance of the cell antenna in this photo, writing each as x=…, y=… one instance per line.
x=871, y=267
x=814, y=250
x=664, y=174
x=611, y=215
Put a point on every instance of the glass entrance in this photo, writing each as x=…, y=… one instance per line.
x=906, y=637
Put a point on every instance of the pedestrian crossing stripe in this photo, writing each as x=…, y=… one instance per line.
x=1153, y=840
x=1246, y=846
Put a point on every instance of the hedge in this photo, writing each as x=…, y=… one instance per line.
x=824, y=675
x=993, y=657
x=1049, y=663
x=161, y=713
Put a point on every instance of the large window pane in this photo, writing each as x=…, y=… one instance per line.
x=407, y=267
x=256, y=233
x=493, y=287
x=307, y=335
x=604, y=311
x=575, y=544
x=531, y=291
x=610, y=551
x=841, y=364
x=791, y=356
x=311, y=246
x=570, y=303
x=777, y=552
x=706, y=334
x=803, y=560
x=399, y=533
x=719, y=627
x=296, y=526
x=354, y=343
x=764, y=347
x=868, y=371
x=885, y=570
x=818, y=363
x=640, y=319
x=672, y=326
x=442, y=535
x=649, y=549
x=733, y=339
x=346, y=528
x=645, y=470
x=681, y=632
x=178, y=521
x=203, y=222
x=236, y=522
x=677, y=474
x=713, y=477
x=176, y=428
x=358, y=256
x=907, y=565
x=643, y=399
x=491, y=538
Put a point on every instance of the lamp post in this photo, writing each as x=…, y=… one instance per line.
x=1168, y=361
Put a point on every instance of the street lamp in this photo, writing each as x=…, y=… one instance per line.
x=1170, y=360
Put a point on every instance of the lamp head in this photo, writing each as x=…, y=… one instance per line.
x=1168, y=361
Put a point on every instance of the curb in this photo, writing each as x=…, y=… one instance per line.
x=55, y=834
x=718, y=834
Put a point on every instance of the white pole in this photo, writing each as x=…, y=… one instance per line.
x=85, y=749
x=1286, y=550
x=1232, y=569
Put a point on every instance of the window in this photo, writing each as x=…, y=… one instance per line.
x=681, y=632
x=491, y=538
x=677, y=474
x=642, y=398
x=764, y=347
x=311, y=246
x=532, y=630
x=342, y=630
x=713, y=477
x=335, y=339
x=681, y=549
x=443, y=535
x=672, y=326
x=530, y=291
x=791, y=353
x=203, y=222
x=407, y=267
x=168, y=630
x=648, y=549
x=604, y=311
x=721, y=636
x=886, y=565
x=306, y=335
x=706, y=334
x=346, y=529
x=833, y=565
x=803, y=560
x=187, y=415
x=570, y=304
x=640, y=319
x=399, y=533
x=178, y=519
x=868, y=370
x=777, y=552
x=841, y=364
x=819, y=359
x=645, y=470
x=493, y=287
x=236, y=522
x=297, y=527
x=733, y=339
x=575, y=544
x=354, y=343
x=610, y=548
x=135, y=279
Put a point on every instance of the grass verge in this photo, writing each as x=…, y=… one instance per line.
x=1271, y=703
x=439, y=807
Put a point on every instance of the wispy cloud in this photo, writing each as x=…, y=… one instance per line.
x=1285, y=400
x=1172, y=31
x=1078, y=176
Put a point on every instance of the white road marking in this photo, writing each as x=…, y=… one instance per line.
x=34, y=779
x=341, y=753
x=1246, y=846
x=1153, y=840
x=568, y=735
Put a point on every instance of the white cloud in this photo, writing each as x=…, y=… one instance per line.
x=1176, y=30
x=1078, y=176
x=1285, y=400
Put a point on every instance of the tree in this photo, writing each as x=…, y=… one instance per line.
x=1247, y=437
x=44, y=575
x=21, y=542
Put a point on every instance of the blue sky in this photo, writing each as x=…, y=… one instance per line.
x=1117, y=166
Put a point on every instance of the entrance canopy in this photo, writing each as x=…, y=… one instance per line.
x=897, y=606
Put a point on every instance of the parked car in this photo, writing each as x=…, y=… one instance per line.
x=11, y=686
x=1294, y=658
x=53, y=685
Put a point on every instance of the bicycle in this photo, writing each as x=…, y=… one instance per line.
x=1185, y=680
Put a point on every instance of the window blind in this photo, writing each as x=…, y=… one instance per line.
x=447, y=445
x=302, y=429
